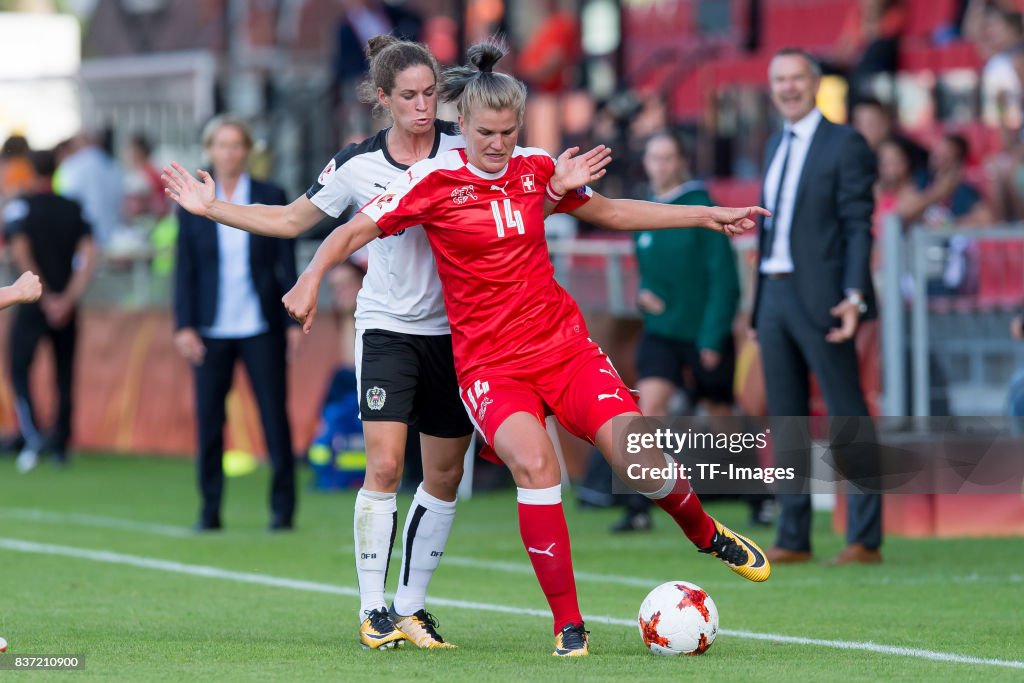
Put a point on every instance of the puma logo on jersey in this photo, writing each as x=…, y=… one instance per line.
x=607, y=372
x=501, y=189
x=543, y=552
x=383, y=187
x=601, y=397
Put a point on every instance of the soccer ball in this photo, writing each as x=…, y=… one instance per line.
x=678, y=618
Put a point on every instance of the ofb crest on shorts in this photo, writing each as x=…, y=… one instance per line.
x=375, y=397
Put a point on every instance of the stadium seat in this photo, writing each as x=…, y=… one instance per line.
x=811, y=24
x=918, y=56
x=925, y=16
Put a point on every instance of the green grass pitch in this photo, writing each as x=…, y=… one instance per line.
x=96, y=560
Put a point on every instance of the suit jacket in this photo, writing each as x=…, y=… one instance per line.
x=197, y=271
x=830, y=234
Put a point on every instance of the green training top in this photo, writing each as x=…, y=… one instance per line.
x=694, y=272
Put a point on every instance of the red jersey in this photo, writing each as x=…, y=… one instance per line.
x=487, y=234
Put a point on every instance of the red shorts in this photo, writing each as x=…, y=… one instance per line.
x=579, y=387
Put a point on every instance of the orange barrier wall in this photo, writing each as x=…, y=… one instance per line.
x=945, y=515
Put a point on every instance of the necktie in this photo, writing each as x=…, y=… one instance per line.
x=771, y=221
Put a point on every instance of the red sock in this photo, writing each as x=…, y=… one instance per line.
x=546, y=538
x=684, y=507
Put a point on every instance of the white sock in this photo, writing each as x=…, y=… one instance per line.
x=426, y=534
x=375, y=524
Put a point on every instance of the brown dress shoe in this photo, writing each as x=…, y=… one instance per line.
x=855, y=553
x=777, y=555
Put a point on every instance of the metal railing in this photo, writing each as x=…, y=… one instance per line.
x=909, y=253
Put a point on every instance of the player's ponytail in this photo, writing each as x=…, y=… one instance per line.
x=388, y=57
x=486, y=54
x=477, y=86
x=377, y=44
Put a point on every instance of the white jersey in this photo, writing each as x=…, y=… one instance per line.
x=401, y=291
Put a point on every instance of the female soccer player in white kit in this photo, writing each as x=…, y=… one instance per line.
x=403, y=347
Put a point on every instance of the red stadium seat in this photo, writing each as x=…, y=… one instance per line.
x=811, y=24
x=924, y=16
x=992, y=274
x=916, y=56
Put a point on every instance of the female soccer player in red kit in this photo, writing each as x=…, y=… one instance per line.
x=520, y=342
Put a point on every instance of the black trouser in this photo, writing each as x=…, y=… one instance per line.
x=791, y=345
x=30, y=326
x=264, y=359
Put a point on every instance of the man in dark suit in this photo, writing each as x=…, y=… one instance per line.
x=228, y=306
x=814, y=286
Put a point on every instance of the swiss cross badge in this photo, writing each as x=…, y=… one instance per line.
x=528, y=184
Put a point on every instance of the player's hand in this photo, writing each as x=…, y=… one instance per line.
x=190, y=345
x=649, y=302
x=57, y=309
x=730, y=221
x=849, y=313
x=301, y=300
x=194, y=196
x=709, y=358
x=28, y=287
x=573, y=171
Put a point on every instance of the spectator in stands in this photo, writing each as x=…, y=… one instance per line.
x=946, y=196
x=49, y=236
x=440, y=31
x=549, y=57
x=360, y=21
x=947, y=199
x=869, y=43
x=228, y=307
x=997, y=31
x=144, y=191
x=92, y=177
x=1006, y=167
x=814, y=287
x=896, y=191
x=16, y=172
x=875, y=121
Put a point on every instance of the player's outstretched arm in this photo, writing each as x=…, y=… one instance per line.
x=634, y=215
x=301, y=300
x=199, y=197
x=24, y=290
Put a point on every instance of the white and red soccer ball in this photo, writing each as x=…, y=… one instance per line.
x=678, y=618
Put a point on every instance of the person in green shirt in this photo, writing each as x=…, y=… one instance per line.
x=689, y=293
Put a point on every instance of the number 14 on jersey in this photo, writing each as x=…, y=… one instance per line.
x=513, y=219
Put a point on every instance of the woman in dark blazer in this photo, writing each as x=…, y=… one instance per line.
x=228, y=306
